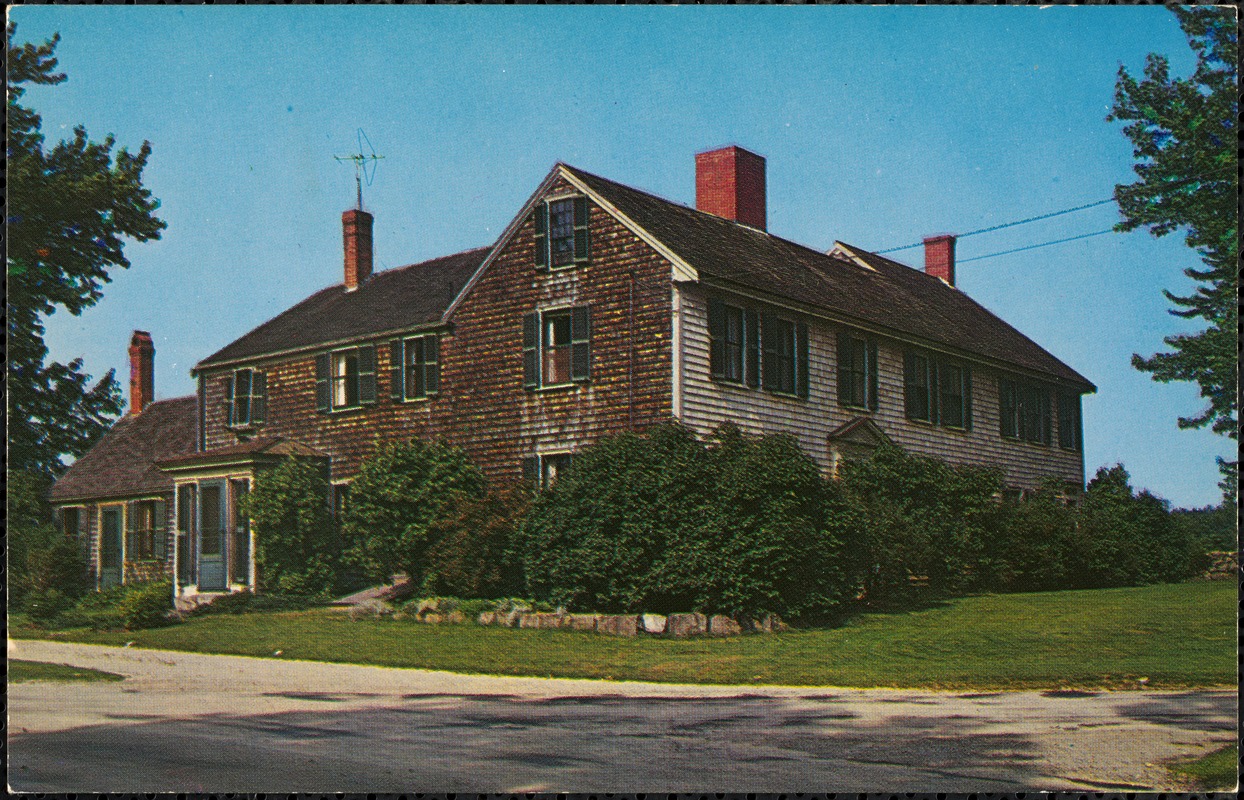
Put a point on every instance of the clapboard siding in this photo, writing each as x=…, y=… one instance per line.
x=705, y=404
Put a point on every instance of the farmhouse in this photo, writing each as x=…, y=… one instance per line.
x=601, y=308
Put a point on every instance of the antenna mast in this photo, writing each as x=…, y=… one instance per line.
x=364, y=165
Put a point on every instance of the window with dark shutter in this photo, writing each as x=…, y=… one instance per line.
x=779, y=360
x=542, y=236
x=1069, y=423
x=422, y=367
x=1008, y=408
x=580, y=344
x=580, y=231
x=855, y=376
x=397, y=370
x=716, y=338
x=259, y=397
x=951, y=399
x=1025, y=408
x=918, y=387
x=432, y=364
x=561, y=233
x=801, y=360
x=367, y=374
x=531, y=350
x=323, y=386
x=159, y=532
x=227, y=400
x=751, y=335
x=531, y=469
x=242, y=397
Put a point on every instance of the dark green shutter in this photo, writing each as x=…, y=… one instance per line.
x=397, y=369
x=542, y=236
x=531, y=350
x=873, y=384
x=1007, y=411
x=935, y=392
x=846, y=355
x=801, y=359
x=227, y=403
x=323, y=394
x=159, y=539
x=367, y=374
x=580, y=230
x=432, y=364
x=967, y=398
x=531, y=469
x=1044, y=405
x=259, y=397
x=131, y=529
x=751, y=339
x=909, y=385
x=769, y=340
x=580, y=344
x=716, y=338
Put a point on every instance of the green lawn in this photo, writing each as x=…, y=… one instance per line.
x=23, y=671
x=1214, y=772
x=1174, y=635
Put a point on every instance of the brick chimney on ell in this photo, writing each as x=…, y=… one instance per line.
x=730, y=182
x=939, y=256
x=142, y=372
x=356, y=225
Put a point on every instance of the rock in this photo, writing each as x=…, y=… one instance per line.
x=455, y=617
x=581, y=622
x=548, y=620
x=526, y=620
x=513, y=618
x=721, y=625
x=618, y=625
x=692, y=624
x=654, y=624
x=487, y=618
x=769, y=623
x=431, y=618
x=428, y=605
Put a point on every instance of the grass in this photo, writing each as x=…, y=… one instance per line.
x=25, y=671
x=1213, y=772
x=1176, y=635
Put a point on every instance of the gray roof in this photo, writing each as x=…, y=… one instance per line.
x=393, y=299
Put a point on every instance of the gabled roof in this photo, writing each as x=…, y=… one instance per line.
x=391, y=300
x=879, y=292
x=122, y=463
x=267, y=448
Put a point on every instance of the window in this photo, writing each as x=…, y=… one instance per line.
x=556, y=347
x=71, y=522
x=543, y=470
x=246, y=398
x=734, y=343
x=785, y=355
x=415, y=371
x=857, y=372
x=146, y=528
x=345, y=379
x=938, y=391
x=561, y=233
x=1070, y=430
x=1024, y=408
x=341, y=499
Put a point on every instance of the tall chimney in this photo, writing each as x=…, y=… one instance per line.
x=356, y=233
x=939, y=256
x=142, y=371
x=730, y=182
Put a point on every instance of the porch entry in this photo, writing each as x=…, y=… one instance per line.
x=111, y=529
x=211, y=535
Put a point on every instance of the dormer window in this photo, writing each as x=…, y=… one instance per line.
x=246, y=398
x=561, y=233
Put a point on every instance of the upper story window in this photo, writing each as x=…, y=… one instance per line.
x=857, y=372
x=556, y=347
x=937, y=390
x=246, y=398
x=345, y=378
x=1070, y=426
x=1024, y=409
x=756, y=348
x=561, y=233
x=415, y=371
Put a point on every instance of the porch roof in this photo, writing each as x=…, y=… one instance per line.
x=262, y=450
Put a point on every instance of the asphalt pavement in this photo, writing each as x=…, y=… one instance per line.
x=184, y=722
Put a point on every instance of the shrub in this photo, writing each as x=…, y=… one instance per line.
x=147, y=605
x=1034, y=545
x=297, y=549
x=60, y=565
x=662, y=522
x=400, y=490
x=474, y=550
x=45, y=606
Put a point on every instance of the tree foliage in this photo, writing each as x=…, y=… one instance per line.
x=297, y=549
x=1183, y=133
x=400, y=491
x=69, y=209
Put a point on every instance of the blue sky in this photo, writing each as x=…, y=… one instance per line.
x=880, y=125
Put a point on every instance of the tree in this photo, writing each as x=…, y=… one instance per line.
x=1183, y=133
x=68, y=210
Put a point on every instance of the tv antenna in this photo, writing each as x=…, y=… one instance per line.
x=364, y=164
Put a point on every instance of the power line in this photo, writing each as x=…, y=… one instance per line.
x=1035, y=246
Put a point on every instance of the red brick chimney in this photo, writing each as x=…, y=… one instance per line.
x=142, y=371
x=356, y=233
x=939, y=256
x=730, y=182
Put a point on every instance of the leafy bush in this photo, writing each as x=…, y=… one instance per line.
x=297, y=549
x=45, y=606
x=474, y=550
x=662, y=522
x=247, y=602
x=400, y=490
x=147, y=605
x=921, y=519
x=61, y=566
x=1034, y=547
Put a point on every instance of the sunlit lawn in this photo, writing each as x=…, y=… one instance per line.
x=1174, y=635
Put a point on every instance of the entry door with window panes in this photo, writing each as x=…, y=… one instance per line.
x=211, y=530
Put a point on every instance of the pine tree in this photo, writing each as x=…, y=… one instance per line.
x=1183, y=133
x=68, y=209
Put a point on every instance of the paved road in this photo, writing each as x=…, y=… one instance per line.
x=197, y=723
